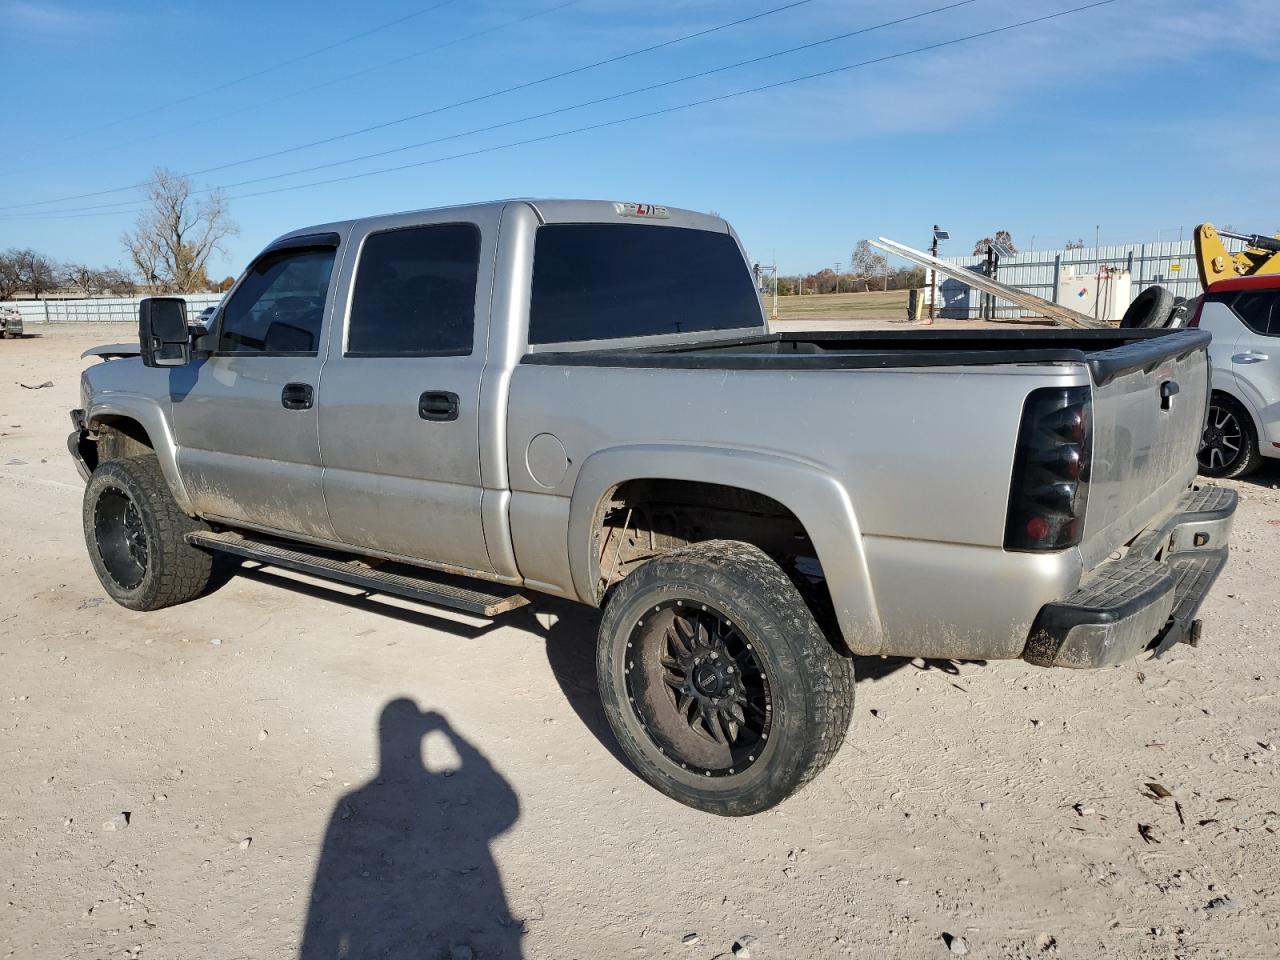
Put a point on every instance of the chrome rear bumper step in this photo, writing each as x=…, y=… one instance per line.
x=413, y=583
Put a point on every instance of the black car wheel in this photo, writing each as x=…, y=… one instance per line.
x=135, y=533
x=717, y=681
x=1229, y=445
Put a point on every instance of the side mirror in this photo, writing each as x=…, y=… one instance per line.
x=162, y=332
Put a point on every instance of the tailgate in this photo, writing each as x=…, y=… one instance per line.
x=1149, y=400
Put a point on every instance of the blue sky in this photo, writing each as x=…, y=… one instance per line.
x=1137, y=117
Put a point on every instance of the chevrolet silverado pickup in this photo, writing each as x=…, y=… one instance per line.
x=477, y=404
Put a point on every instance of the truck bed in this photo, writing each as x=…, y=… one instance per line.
x=1107, y=353
x=917, y=428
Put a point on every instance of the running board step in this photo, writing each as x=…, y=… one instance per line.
x=415, y=583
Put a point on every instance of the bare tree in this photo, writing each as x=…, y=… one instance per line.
x=10, y=274
x=118, y=282
x=27, y=270
x=84, y=277
x=172, y=241
x=866, y=263
x=1002, y=236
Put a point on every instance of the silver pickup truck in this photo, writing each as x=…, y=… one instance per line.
x=474, y=404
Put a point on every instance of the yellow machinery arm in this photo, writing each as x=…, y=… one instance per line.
x=1261, y=256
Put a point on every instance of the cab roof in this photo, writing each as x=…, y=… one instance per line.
x=1256, y=282
x=548, y=211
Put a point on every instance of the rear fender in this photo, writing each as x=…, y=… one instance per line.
x=1240, y=390
x=818, y=500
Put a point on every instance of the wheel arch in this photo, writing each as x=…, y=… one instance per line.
x=143, y=421
x=1236, y=388
x=818, y=502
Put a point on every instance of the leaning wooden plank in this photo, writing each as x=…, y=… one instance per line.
x=1021, y=298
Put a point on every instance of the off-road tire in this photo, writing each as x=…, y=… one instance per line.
x=811, y=683
x=1250, y=457
x=175, y=571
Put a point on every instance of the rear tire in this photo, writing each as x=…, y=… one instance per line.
x=717, y=681
x=1229, y=445
x=135, y=534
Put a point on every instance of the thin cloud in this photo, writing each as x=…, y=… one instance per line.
x=946, y=89
x=49, y=19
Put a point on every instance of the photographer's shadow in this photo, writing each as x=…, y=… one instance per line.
x=406, y=869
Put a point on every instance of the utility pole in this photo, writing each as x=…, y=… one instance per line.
x=837, y=276
x=933, y=277
x=768, y=270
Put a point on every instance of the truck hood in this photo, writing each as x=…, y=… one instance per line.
x=112, y=351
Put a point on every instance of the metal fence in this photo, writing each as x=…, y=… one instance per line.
x=1170, y=264
x=99, y=309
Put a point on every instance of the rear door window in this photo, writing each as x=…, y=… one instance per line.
x=1257, y=309
x=599, y=281
x=415, y=292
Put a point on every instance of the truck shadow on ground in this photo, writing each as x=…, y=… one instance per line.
x=406, y=869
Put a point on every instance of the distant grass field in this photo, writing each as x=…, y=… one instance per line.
x=874, y=305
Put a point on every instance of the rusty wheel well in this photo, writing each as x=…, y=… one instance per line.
x=115, y=438
x=642, y=519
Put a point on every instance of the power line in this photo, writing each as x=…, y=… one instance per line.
x=686, y=106
x=707, y=31
x=278, y=65
x=566, y=109
x=673, y=109
x=259, y=104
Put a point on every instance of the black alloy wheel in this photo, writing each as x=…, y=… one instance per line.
x=120, y=537
x=698, y=689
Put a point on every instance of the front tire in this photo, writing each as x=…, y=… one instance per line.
x=1229, y=445
x=135, y=534
x=718, y=683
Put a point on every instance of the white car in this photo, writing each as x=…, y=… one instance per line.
x=1243, y=425
x=10, y=323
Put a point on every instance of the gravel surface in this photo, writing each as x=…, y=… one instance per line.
x=283, y=768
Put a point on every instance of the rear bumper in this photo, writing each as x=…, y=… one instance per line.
x=1146, y=601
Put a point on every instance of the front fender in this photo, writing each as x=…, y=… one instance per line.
x=151, y=415
x=818, y=500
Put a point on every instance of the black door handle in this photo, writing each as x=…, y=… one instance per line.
x=438, y=405
x=297, y=396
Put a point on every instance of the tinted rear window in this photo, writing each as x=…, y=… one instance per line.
x=1256, y=309
x=1259, y=310
x=597, y=281
x=415, y=292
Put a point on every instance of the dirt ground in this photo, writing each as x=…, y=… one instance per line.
x=224, y=779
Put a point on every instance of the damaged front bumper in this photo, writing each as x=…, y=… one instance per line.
x=76, y=443
x=1148, y=599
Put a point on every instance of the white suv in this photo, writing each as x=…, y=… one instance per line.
x=1243, y=426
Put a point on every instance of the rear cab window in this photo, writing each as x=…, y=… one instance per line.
x=606, y=281
x=415, y=292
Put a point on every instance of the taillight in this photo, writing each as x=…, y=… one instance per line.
x=1195, y=317
x=1050, y=470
